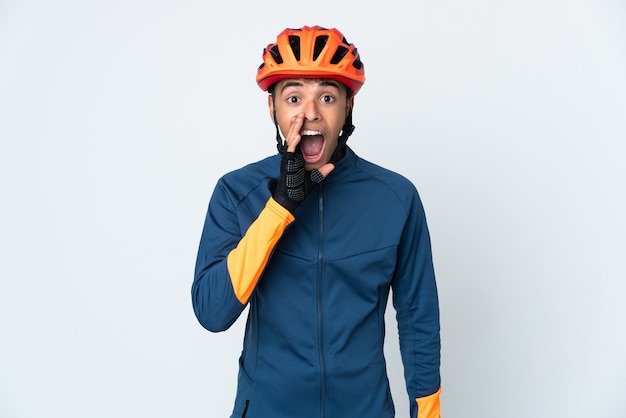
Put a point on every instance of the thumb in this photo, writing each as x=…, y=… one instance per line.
x=326, y=169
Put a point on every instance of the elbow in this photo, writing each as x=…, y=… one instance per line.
x=212, y=318
x=212, y=324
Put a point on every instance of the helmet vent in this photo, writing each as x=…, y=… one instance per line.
x=294, y=43
x=276, y=54
x=339, y=54
x=357, y=60
x=320, y=43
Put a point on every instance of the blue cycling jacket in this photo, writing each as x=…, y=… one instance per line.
x=317, y=283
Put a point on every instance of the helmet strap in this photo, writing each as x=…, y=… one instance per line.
x=280, y=144
x=346, y=131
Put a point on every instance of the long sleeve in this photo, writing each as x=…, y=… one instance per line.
x=230, y=262
x=417, y=310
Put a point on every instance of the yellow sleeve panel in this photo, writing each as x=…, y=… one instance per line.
x=428, y=406
x=247, y=261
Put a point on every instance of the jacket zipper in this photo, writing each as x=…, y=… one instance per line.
x=245, y=410
x=320, y=314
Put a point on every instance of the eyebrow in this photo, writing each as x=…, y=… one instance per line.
x=298, y=83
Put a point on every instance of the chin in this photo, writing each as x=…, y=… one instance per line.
x=315, y=165
x=310, y=167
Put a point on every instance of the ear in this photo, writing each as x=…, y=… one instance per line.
x=270, y=105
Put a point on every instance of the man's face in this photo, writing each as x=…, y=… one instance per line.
x=311, y=113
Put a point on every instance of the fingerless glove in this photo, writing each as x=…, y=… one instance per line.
x=294, y=182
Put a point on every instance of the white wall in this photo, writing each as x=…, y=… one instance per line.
x=117, y=117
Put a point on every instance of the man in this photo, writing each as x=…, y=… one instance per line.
x=313, y=239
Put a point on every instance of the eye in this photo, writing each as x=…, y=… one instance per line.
x=328, y=99
x=292, y=99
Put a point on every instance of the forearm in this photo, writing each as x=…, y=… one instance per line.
x=248, y=260
x=420, y=347
x=223, y=284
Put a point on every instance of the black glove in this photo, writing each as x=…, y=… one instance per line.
x=294, y=182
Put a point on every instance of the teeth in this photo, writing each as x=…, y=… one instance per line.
x=309, y=133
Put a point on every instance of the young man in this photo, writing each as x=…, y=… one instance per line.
x=314, y=238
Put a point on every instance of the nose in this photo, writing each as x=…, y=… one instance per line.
x=311, y=112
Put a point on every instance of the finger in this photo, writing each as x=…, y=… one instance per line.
x=293, y=136
x=293, y=143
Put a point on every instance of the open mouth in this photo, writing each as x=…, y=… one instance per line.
x=312, y=145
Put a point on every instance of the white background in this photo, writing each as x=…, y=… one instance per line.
x=118, y=117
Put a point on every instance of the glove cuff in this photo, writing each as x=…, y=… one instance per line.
x=280, y=197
